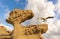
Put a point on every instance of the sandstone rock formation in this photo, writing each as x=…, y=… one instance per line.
x=16, y=17
x=3, y=33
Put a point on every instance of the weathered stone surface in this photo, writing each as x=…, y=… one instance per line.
x=3, y=30
x=4, y=33
x=16, y=17
x=19, y=15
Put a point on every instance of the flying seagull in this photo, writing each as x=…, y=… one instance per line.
x=44, y=19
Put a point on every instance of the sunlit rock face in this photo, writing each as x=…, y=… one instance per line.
x=3, y=30
x=19, y=15
x=3, y=33
x=16, y=17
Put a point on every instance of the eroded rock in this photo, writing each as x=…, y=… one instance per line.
x=16, y=17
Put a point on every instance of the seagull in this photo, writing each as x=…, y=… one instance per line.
x=44, y=19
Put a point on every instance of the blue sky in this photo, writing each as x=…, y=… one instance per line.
x=54, y=1
x=9, y=5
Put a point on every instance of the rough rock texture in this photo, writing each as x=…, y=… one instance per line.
x=3, y=30
x=3, y=33
x=16, y=17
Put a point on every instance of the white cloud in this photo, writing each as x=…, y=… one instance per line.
x=58, y=7
x=57, y=23
x=41, y=8
x=44, y=8
x=53, y=29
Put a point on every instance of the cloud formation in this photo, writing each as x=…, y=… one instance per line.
x=45, y=8
x=58, y=7
x=41, y=7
